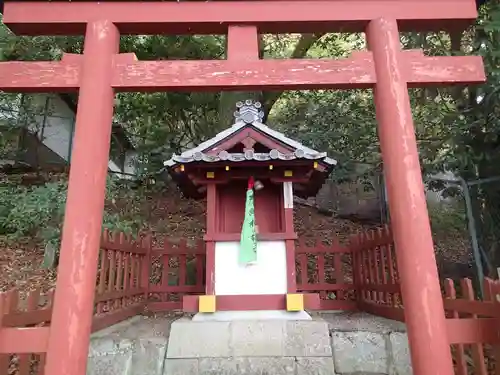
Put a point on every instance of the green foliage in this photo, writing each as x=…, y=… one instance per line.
x=37, y=212
x=448, y=218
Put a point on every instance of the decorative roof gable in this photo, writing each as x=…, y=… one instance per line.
x=248, y=126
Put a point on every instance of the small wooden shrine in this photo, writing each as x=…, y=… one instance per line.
x=250, y=156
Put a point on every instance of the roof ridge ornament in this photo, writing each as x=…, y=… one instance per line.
x=249, y=111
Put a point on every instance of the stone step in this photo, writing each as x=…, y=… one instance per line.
x=277, y=347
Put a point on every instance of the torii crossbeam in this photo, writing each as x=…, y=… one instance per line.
x=101, y=71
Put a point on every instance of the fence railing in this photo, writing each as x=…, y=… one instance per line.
x=122, y=278
x=473, y=325
x=24, y=331
x=325, y=269
x=134, y=276
x=176, y=269
x=376, y=274
x=121, y=292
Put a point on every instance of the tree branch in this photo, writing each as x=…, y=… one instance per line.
x=305, y=42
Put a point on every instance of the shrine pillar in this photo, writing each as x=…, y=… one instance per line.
x=76, y=280
x=424, y=312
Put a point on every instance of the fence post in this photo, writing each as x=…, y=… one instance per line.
x=353, y=246
x=4, y=358
x=146, y=267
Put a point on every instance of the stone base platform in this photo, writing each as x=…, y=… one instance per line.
x=329, y=344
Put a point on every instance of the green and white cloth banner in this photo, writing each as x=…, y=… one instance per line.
x=248, y=243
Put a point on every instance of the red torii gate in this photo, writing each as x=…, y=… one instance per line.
x=101, y=71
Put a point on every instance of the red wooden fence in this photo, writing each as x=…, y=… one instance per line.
x=325, y=269
x=122, y=278
x=134, y=277
x=32, y=315
x=177, y=269
x=376, y=274
x=121, y=292
x=473, y=325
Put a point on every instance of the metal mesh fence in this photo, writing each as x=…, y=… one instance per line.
x=464, y=215
x=467, y=215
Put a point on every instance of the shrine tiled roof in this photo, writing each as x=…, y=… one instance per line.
x=249, y=115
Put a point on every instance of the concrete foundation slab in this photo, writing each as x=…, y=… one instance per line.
x=329, y=344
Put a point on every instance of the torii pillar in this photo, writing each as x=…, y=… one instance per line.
x=74, y=295
x=424, y=310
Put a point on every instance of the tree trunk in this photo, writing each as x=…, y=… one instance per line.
x=228, y=99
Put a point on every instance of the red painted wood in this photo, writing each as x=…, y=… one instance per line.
x=118, y=282
x=231, y=207
x=165, y=271
x=39, y=76
x=4, y=358
x=74, y=296
x=22, y=319
x=212, y=220
x=490, y=295
x=291, y=276
x=24, y=340
x=385, y=311
x=126, y=278
x=371, y=274
x=168, y=250
x=335, y=248
x=182, y=270
x=210, y=268
x=339, y=273
x=473, y=331
x=242, y=43
x=323, y=286
x=200, y=268
x=460, y=360
x=429, y=348
x=102, y=278
x=119, y=294
x=259, y=138
x=112, y=273
x=184, y=289
x=383, y=261
x=477, y=349
x=320, y=264
x=228, y=237
x=146, y=266
x=251, y=302
x=212, y=17
x=304, y=273
x=354, y=72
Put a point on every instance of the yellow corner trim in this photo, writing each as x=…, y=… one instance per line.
x=206, y=304
x=294, y=302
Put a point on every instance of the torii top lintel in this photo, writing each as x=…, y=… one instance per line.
x=213, y=17
x=242, y=21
